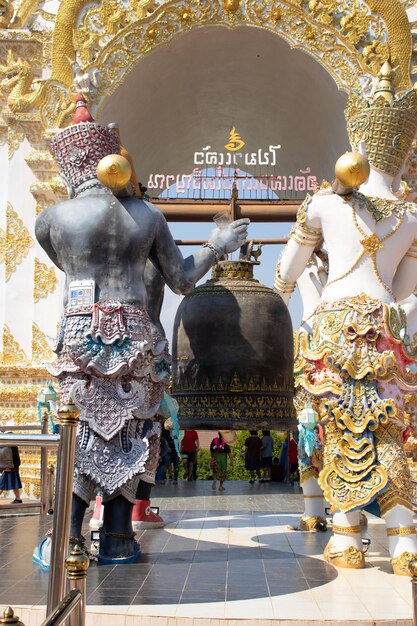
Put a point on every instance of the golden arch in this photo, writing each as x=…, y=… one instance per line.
x=122, y=48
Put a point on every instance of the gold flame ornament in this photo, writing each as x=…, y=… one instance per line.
x=235, y=141
x=114, y=171
x=352, y=169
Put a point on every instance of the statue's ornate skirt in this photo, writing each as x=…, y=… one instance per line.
x=113, y=366
x=352, y=367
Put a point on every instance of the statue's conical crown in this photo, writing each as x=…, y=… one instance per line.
x=79, y=147
x=385, y=122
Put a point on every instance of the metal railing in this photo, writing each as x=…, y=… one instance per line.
x=65, y=609
x=45, y=503
x=78, y=564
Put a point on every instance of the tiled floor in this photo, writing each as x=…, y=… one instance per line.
x=224, y=557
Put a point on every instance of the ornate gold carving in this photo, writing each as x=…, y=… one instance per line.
x=356, y=22
x=234, y=406
x=391, y=456
x=25, y=11
x=19, y=416
x=399, y=37
x=40, y=347
x=401, y=531
x=17, y=81
x=347, y=530
x=41, y=161
x=382, y=208
x=372, y=244
x=351, y=558
x=308, y=472
x=311, y=524
x=140, y=37
x=12, y=353
x=21, y=126
x=6, y=13
x=356, y=25
x=18, y=241
x=142, y=8
x=2, y=246
x=351, y=29
x=386, y=123
x=363, y=457
x=22, y=393
x=45, y=280
x=233, y=269
x=15, y=136
x=231, y=6
x=401, y=564
x=57, y=109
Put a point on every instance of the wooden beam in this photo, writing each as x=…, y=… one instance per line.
x=197, y=210
x=265, y=242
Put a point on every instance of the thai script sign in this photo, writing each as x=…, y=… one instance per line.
x=222, y=180
x=217, y=171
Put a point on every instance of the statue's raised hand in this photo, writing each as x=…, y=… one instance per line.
x=231, y=237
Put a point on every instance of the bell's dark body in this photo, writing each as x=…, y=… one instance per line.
x=233, y=354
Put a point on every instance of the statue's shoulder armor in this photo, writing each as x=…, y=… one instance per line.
x=411, y=207
x=325, y=189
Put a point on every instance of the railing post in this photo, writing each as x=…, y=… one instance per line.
x=68, y=417
x=44, y=468
x=413, y=571
x=51, y=484
x=77, y=565
x=10, y=618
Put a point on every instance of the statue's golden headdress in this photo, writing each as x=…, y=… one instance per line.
x=386, y=123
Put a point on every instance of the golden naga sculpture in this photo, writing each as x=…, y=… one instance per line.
x=17, y=80
x=143, y=8
x=6, y=13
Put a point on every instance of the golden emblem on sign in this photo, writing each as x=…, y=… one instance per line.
x=235, y=141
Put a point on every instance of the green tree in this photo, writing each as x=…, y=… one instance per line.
x=236, y=469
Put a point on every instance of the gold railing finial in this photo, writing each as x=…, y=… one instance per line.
x=10, y=618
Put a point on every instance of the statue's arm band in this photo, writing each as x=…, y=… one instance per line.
x=305, y=236
x=280, y=285
x=412, y=250
x=217, y=253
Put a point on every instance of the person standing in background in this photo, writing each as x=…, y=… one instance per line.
x=10, y=478
x=219, y=451
x=267, y=452
x=253, y=447
x=293, y=458
x=189, y=447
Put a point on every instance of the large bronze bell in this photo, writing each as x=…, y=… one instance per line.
x=233, y=354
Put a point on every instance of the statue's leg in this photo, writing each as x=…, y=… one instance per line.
x=79, y=507
x=402, y=540
x=96, y=521
x=345, y=546
x=117, y=544
x=314, y=516
x=142, y=516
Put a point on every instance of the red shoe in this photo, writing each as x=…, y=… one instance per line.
x=143, y=517
x=96, y=521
